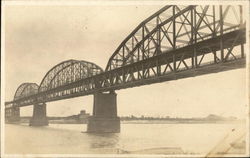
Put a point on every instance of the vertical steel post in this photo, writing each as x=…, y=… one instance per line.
x=214, y=31
x=241, y=20
x=143, y=51
x=123, y=75
x=192, y=33
x=214, y=34
x=174, y=40
x=111, y=79
x=123, y=55
x=221, y=34
x=158, y=36
x=138, y=72
x=195, y=38
x=158, y=45
x=241, y=23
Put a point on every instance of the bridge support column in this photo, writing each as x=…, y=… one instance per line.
x=104, y=119
x=39, y=117
x=12, y=115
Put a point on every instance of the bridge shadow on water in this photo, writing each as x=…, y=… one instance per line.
x=95, y=140
x=103, y=140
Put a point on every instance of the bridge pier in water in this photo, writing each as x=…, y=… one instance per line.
x=39, y=117
x=104, y=119
x=12, y=115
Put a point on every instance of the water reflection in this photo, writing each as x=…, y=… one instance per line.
x=134, y=139
x=103, y=140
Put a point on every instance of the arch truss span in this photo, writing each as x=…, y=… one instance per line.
x=26, y=89
x=68, y=72
x=174, y=27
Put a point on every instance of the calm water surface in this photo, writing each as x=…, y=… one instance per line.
x=71, y=139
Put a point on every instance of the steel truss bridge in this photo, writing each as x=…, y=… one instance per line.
x=175, y=42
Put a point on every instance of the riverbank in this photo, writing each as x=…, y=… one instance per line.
x=181, y=121
x=72, y=121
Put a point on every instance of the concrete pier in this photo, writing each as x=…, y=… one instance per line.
x=12, y=115
x=39, y=117
x=104, y=119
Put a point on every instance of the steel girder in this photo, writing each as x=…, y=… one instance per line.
x=60, y=75
x=174, y=27
x=183, y=42
x=67, y=72
x=25, y=90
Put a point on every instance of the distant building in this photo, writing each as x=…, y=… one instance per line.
x=83, y=116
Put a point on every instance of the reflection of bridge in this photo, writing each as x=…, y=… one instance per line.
x=175, y=42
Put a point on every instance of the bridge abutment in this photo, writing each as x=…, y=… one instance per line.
x=104, y=119
x=12, y=115
x=39, y=117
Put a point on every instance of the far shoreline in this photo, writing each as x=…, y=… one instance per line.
x=156, y=122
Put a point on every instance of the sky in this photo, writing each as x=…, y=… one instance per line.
x=39, y=37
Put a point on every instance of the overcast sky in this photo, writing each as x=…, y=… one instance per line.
x=39, y=37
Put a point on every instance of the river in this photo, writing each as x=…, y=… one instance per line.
x=134, y=138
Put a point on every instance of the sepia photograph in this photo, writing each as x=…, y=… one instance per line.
x=138, y=78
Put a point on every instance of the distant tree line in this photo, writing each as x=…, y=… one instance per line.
x=210, y=117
